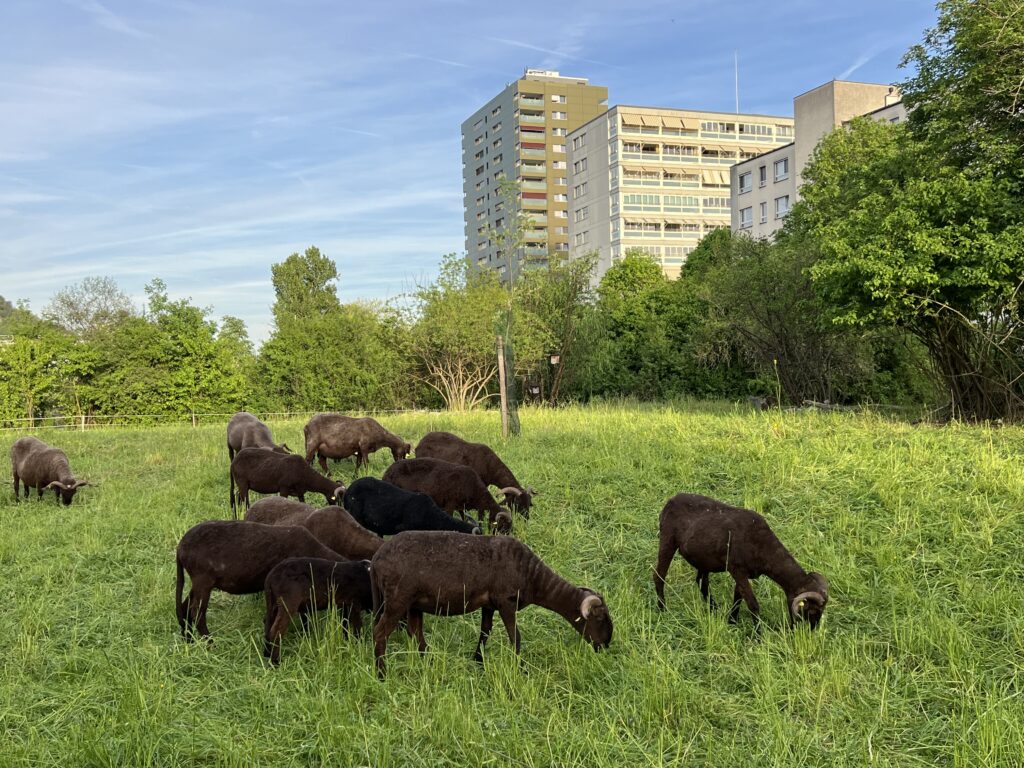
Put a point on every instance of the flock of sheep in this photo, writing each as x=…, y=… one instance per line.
x=305, y=558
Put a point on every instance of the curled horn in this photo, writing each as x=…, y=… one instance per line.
x=588, y=604
x=511, y=489
x=800, y=600
x=56, y=484
x=79, y=484
x=532, y=491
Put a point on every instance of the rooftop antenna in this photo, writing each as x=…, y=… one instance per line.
x=736, y=66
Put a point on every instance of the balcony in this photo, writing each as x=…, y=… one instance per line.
x=531, y=101
x=537, y=185
x=528, y=152
x=533, y=169
x=536, y=234
x=526, y=117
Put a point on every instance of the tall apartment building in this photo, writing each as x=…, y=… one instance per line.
x=766, y=187
x=521, y=135
x=658, y=179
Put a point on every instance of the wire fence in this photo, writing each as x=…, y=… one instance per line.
x=86, y=421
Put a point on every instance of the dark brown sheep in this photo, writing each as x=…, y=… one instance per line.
x=332, y=526
x=448, y=573
x=333, y=436
x=235, y=557
x=246, y=431
x=482, y=460
x=37, y=465
x=455, y=488
x=264, y=471
x=713, y=537
x=300, y=585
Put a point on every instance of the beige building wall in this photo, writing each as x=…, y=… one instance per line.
x=521, y=135
x=817, y=112
x=658, y=179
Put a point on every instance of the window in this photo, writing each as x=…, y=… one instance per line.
x=746, y=182
x=764, y=212
x=558, y=148
x=781, y=206
x=782, y=169
x=558, y=132
x=560, y=181
x=753, y=129
x=497, y=159
x=559, y=165
x=581, y=213
x=784, y=130
x=496, y=111
x=561, y=230
x=480, y=201
x=746, y=217
x=479, y=155
x=630, y=146
x=716, y=202
x=579, y=190
x=559, y=116
x=581, y=237
x=496, y=127
x=580, y=165
x=716, y=127
x=496, y=143
x=478, y=124
x=579, y=141
x=561, y=198
x=762, y=175
x=557, y=99
x=559, y=214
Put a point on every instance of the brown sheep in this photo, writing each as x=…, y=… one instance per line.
x=714, y=537
x=235, y=557
x=482, y=460
x=246, y=431
x=36, y=465
x=447, y=573
x=300, y=585
x=455, y=488
x=265, y=471
x=333, y=526
x=333, y=436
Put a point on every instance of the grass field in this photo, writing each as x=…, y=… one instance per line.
x=918, y=661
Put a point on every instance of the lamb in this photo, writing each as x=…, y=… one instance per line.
x=713, y=537
x=455, y=488
x=332, y=526
x=265, y=471
x=333, y=436
x=387, y=510
x=234, y=556
x=299, y=585
x=486, y=573
x=482, y=460
x=37, y=465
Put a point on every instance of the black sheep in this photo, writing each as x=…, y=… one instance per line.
x=386, y=510
x=36, y=465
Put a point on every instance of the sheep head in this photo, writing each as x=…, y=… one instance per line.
x=502, y=523
x=518, y=499
x=809, y=604
x=336, y=495
x=66, y=491
x=400, y=452
x=594, y=621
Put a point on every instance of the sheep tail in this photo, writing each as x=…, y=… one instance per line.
x=179, y=606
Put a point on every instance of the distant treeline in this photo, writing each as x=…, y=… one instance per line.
x=896, y=279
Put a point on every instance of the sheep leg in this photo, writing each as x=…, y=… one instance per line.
x=486, y=622
x=386, y=624
x=355, y=619
x=414, y=626
x=737, y=598
x=744, y=590
x=508, y=617
x=705, y=589
x=198, y=603
x=666, y=551
x=17, y=484
x=323, y=464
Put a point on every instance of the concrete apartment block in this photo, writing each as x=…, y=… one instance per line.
x=521, y=135
x=657, y=179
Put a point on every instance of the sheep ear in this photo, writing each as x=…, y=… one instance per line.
x=590, y=602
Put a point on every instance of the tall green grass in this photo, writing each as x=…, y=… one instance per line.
x=918, y=661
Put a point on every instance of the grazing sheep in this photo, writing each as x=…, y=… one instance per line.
x=300, y=585
x=246, y=431
x=333, y=436
x=385, y=509
x=37, y=465
x=332, y=526
x=446, y=573
x=455, y=488
x=714, y=537
x=235, y=557
x=264, y=471
x=482, y=460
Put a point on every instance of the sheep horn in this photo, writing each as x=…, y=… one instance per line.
x=532, y=491
x=511, y=489
x=588, y=604
x=55, y=483
x=798, y=602
x=79, y=484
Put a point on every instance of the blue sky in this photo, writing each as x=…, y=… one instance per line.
x=200, y=142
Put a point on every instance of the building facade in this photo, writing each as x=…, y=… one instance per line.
x=521, y=135
x=658, y=179
x=766, y=187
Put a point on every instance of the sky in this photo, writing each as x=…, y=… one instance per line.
x=201, y=142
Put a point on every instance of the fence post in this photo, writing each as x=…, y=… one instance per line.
x=82, y=417
x=193, y=419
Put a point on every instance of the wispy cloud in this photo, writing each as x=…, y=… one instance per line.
x=22, y=198
x=436, y=60
x=558, y=55
x=108, y=19
x=861, y=60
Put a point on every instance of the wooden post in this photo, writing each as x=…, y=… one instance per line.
x=502, y=388
x=82, y=416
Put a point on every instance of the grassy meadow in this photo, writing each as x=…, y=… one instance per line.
x=918, y=661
